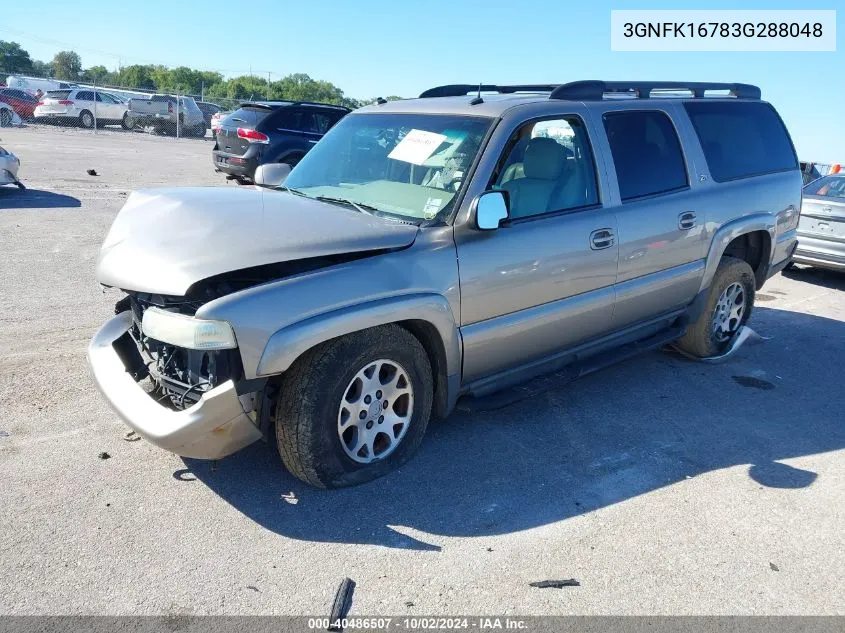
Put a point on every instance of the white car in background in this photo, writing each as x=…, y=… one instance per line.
x=8, y=117
x=216, y=118
x=81, y=106
x=9, y=164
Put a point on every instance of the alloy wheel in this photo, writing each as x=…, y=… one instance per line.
x=375, y=411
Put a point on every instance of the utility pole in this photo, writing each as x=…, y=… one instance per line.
x=268, y=85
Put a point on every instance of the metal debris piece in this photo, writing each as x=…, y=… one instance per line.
x=4, y=434
x=745, y=334
x=91, y=172
x=342, y=604
x=104, y=455
x=555, y=584
x=131, y=436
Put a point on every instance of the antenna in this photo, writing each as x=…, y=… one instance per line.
x=480, y=83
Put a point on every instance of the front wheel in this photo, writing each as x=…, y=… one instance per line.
x=126, y=122
x=5, y=117
x=354, y=408
x=728, y=307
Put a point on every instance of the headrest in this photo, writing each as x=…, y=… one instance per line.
x=544, y=159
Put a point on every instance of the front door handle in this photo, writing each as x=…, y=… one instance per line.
x=686, y=220
x=601, y=238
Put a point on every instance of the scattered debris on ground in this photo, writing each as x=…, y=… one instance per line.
x=254, y=588
x=131, y=436
x=91, y=172
x=342, y=603
x=555, y=584
x=408, y=603
x=104, y=455
x=754, y=383
x=290, y=498
x=774, y=567
x=4, y=434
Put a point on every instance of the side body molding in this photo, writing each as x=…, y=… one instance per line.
x=288, y=343
x=729, y=232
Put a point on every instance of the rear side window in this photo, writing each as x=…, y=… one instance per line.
x=85, y=95
x=646, y=153
x=248, y=116
x=741, y=139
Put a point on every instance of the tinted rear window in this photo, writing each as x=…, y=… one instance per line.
x=646, y=153
x=58, y=94
x=248, y=116
x=741, y=139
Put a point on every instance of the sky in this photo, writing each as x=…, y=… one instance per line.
x=375, y=48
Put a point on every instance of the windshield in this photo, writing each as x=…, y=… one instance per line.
x=827, y=187
x=408, y=165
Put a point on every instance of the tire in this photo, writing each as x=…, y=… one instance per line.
x=312, y=436
x=703, y=338
x=125, y=123
x=5, y=118
x=199, y=131
x=86, y=119
x=789, y=266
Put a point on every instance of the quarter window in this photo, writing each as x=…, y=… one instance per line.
x=646, y=153
x=741, y=138
x=548, y=166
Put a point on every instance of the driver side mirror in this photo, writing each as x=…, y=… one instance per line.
x=271, y=174
x=491, y=207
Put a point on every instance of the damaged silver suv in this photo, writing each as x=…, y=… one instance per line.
x=446, y=246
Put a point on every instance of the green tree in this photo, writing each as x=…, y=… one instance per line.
x=67, y=65
x=98, y=75
x=41, y=69
x=14, y=59
x=137, y=76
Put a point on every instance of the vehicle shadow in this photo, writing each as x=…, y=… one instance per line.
x=13, y=198
x=817, y=276
x=649, y=423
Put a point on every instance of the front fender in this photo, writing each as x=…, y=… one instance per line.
x=732, y=230
x=288, y=343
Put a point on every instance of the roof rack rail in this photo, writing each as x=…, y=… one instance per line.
x=460, y=90
x=593, y=90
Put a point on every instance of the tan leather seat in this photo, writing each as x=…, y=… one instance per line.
x=543, y=166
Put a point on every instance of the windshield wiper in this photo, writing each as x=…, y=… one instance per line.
x=295, y=192
x=358, y=206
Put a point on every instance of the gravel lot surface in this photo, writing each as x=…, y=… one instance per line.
x=662, y=485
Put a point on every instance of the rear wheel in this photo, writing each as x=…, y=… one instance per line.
x=729, y=303
x=354, y=408
x=86, y=119
x=5, y=117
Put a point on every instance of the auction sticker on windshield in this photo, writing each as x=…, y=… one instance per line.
x=417, y=146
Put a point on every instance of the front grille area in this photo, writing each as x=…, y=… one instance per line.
x=178, y=376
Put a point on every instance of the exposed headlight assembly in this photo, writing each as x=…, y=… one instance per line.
x=186, y=331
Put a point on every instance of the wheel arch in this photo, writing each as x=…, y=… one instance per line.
x=751, y=238
x=427, y=316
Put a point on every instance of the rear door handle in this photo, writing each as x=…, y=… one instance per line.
x=686, y=220
x=601, y=238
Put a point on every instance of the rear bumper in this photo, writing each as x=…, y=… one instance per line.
x=821, y=252
x=222, y=162
x=214, y=427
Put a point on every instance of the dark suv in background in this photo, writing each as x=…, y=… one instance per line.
x=270, y=132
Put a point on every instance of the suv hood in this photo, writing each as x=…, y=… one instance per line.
x=165, y=240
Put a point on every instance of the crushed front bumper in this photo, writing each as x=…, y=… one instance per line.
x=214, y=427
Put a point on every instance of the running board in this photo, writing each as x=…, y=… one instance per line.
x=576, y=369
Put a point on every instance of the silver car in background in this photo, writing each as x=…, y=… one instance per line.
x=821, y=229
